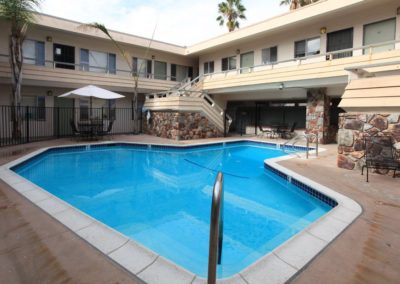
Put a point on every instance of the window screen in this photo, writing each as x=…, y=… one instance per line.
x=270, y=55
x=340, y=40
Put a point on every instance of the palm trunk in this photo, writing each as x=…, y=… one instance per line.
x=16, y=59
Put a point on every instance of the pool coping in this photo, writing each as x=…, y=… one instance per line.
x=278, y=266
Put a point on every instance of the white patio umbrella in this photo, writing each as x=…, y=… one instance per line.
x=92, y=92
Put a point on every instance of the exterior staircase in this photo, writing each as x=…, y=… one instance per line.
x=188, y=96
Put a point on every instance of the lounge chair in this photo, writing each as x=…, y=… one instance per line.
x=289, y=134
x=380, y=155
x=265, y=132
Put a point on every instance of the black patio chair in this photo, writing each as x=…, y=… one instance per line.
x=380, y=155
x=264, y=131
x=289, y=134
x=108, y=130
x=75, y=133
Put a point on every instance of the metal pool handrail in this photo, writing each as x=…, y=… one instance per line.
x=216, y=228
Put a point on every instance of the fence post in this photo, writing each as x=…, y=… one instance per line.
x=27, y=123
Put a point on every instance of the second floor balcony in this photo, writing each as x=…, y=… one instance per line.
x=319, y=70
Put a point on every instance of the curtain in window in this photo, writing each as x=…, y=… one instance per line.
x=84, y=59
x=246, y=61
x=112, y=64
x=378, y=33
x=160, y=70
x=98, y=61
x=269, y=55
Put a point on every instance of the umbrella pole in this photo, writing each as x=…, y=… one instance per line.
x=91, y=105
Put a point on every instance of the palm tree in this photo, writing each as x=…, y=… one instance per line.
x=295, y=4
x=126, y=57
x=20, y=13
x=231, y=11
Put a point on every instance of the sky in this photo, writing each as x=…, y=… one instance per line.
x=182, y=22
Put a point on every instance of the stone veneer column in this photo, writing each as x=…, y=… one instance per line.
x=317, y=117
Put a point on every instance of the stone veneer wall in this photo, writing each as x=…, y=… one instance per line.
x=354, y=127
x=317, y=116
x=180, y=125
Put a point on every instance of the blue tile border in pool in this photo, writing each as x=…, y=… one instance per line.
x=307, y=189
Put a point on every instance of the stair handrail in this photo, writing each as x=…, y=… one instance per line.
x=216, y=229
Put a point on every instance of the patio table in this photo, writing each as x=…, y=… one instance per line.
x=90, y=128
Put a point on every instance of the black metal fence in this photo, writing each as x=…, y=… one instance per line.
x=43, y=123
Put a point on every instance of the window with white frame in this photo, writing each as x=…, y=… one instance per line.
x=160, y=70
x=269, y=55
x=209, y=67
x=83, y=109
x=142, y=67
x=380, y=32
x=99, y=62
x=228, y=63
x=34, y=107
x=307, y=47
x=34, y=52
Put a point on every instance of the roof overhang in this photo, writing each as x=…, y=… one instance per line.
x=377, y=94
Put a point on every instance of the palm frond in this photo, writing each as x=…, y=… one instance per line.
x=102, y=28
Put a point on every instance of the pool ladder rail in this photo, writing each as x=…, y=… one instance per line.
x=298, y=138
x=216, y=229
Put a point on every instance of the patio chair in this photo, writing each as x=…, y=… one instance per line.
x=75, y=133
x=380, y=155
x=265, y=132
x=103, y=133
x=289, y=134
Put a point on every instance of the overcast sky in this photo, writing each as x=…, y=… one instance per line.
x=183, y=22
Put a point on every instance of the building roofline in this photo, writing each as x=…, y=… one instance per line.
x=260, y=28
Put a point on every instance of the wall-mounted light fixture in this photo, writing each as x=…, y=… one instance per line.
x=237, y=51
x=323, y=30
x=49, y=93
x=49, y=39
x=153, y=57
x=398, y=11
x=281, y=86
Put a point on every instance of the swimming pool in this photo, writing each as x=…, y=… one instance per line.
x=161, y=197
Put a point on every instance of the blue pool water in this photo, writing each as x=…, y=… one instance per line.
x=161, y=198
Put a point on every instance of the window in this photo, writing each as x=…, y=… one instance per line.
x=33, y=52
x=83, y=109
x=179, y=72
x=35, y=106
x=142, y=67
x=307, y=47
x=269, y=55
x=109, y=109
x=160, y=70
x=340, y=40
x=246, y=62
x=380, y=32
x=209, y=67
x=99, y=62
x=229, y=63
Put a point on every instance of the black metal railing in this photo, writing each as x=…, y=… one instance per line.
x=43, y=123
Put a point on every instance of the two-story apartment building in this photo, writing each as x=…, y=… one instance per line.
x=292, y=68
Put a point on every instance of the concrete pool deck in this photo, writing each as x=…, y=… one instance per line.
x=54, y=242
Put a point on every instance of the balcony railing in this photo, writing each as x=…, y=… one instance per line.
x=323, y=57
x=93, y=69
